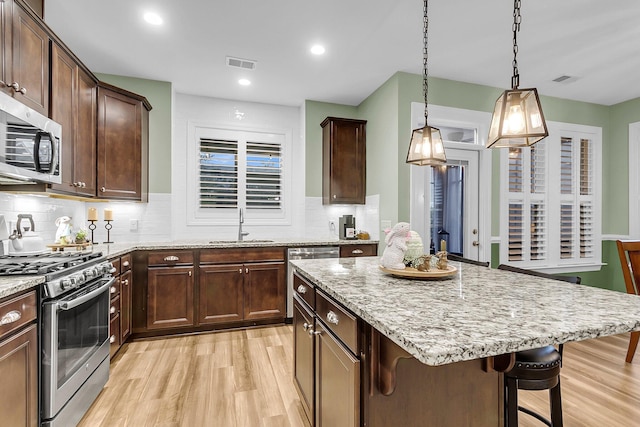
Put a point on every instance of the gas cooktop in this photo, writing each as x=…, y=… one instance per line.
x=44, y=264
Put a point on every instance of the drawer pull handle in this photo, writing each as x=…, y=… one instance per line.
x=113, y=289
x=306, y=326
x=171, y=258
x=357, y=251
x=332, y=317
x=112, y=310
x=112, y=339
x=302, y=289
x=10, y=317
x=126, y=263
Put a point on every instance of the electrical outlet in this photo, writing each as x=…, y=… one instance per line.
x=385, y=224
x=133, y=225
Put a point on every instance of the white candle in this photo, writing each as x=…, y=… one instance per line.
x=443, y=245
x=108, y=214
x=93, y=214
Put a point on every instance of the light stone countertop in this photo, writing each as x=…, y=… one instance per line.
x=479, y=312
x=10, y=285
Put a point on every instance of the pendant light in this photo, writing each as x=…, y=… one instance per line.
x=517, y=117
x=426, y=148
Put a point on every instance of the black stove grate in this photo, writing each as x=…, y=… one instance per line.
x=43, y=264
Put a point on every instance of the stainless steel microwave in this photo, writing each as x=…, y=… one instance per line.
x=30, y=144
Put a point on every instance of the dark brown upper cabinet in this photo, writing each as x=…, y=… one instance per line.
x=344, y=159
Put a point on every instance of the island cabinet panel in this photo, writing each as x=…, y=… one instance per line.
x=303, y=356
x=120, y=295
x=220, y=290
x=343, y=161
x=170, y=297
x=415, y=394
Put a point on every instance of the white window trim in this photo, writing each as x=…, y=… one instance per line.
x=198, y=216
x=634, y=181
x=555, y=264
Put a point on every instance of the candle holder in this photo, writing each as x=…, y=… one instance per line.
x=108, y=227
x=92, y=227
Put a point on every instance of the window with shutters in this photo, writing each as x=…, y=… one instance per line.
x=551, y=201
x=235, y=169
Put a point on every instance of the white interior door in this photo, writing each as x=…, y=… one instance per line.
x=466, y=193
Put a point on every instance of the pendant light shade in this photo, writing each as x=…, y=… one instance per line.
x=426, y=148
x=517, y=120
x=517, y=116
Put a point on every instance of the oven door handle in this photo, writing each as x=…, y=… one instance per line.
x=68, y=305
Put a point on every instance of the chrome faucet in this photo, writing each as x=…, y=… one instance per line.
x=241, y=233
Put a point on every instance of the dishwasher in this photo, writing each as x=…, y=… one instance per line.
x=308, y=252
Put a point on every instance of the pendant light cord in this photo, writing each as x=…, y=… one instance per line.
x=517, y=18
x=425, y=82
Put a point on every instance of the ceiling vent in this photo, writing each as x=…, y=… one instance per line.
x=565, y=79
x=245, y=64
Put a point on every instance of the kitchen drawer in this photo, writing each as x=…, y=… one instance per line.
x=170, y=258
x=16, y=312
x=116, y=264
x=125, y=263
x=241, y=255
x=114, y=290
x=368, y=249
x=305, y=290
x=114, y=308
x=338, y=320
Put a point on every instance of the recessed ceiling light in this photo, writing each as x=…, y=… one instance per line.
x=244, y=82
x=153, y=18
x=317, y=49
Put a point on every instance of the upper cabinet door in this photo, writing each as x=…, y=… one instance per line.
x=343, y=161
x=122, y=146
x=30, y=71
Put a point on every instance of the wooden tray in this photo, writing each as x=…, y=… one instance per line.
x=77, y=246
x=412, y=273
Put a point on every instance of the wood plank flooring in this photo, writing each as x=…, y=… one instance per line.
x=243, y=379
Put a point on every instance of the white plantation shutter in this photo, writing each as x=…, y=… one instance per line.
x=264, y=175
x=516, y=231
x=218, y=174
x=552, y=215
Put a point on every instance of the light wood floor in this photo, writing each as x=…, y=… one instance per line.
x=243, y=379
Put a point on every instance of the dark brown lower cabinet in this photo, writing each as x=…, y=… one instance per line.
x=303, y=360
x=170, y=297
x=19, y=368
x=221, y=293
x=264, y=293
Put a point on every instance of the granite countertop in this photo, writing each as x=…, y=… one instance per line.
x=479, y=312
x=10, y=285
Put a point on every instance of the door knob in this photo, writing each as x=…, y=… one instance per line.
x=475, y=243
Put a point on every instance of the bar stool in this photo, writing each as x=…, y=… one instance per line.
x=535, y=369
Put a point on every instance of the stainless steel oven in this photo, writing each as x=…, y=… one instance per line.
x=74, y=342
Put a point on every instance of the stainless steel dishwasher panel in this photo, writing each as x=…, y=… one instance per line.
x=308, y=252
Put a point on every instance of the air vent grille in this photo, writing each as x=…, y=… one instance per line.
x=246, y=64
x=565, y=79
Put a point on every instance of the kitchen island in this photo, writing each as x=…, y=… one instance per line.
x=433, y=351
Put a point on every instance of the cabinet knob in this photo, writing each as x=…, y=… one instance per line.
x=302, y=289
x=190, y=273
x=306, y=326
x=112, y=289
x=332, y=317
x=240, y=270
x=10, y=317
x=126, y=282
x=112, y=339
x=112, y=309
x=125, y=264
x=335, y=197
x=102, y=189
x=246, y=270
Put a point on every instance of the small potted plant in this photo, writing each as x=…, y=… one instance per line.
x=81, y=236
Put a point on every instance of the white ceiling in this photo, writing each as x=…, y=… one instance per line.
x=367, y=41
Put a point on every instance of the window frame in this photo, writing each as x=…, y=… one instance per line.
x=229, y=216
x=552, y=200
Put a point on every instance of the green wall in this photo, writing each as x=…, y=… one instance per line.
x=387, y=111
x=159, y=96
